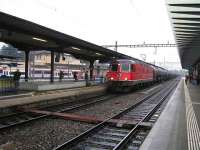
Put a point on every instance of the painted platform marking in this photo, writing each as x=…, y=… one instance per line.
x=193, y=133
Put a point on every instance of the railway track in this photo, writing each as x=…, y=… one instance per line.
x=25, y=117
x=21, y=117
x=107, y=136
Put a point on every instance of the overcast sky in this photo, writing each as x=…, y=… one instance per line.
x=103, y=22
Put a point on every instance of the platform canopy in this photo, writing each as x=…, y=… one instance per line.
x=28, y=36
x=185, y=19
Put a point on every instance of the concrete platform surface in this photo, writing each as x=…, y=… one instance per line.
x=50, y=96
x=178, y=126
x=15, y=95
x=45, y=86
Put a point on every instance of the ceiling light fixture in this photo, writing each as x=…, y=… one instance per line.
x=99, y=54
x=76, y=48
x=39, y=39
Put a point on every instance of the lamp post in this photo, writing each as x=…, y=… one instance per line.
x=68, y=57
x=68, y=68
x=155, y=53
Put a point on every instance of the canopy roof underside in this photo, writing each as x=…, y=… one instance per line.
x=185, y=20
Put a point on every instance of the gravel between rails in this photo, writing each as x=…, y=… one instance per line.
x=109, y=108
x=48, y=133
x=44, y=134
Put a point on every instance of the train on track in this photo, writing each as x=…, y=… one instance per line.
x=124, y=74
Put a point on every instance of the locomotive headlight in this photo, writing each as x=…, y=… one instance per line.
x=111, y=78
x=125, y=78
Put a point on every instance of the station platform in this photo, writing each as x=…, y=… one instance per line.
x=177, y=128
x=49, y=97
x=46, y=85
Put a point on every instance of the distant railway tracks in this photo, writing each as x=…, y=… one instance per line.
x=116, y=133
x=25, y=117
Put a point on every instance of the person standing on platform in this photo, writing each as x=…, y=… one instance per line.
x=16, y=78
x=61, y=75
x=75, y=76
x=190, y=78
x=186, y=79
x=86, y=78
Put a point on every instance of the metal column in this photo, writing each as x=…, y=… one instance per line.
x=52, y=67
x=26, y=65
x=91, y=69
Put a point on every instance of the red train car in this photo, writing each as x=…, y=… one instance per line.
x=126, y=73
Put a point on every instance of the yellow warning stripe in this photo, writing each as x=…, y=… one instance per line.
x=193, y=133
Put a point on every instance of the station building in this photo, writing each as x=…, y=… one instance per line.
x=39, y=66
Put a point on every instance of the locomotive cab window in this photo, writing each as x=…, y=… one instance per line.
x=125, y=67
x=133, y=68
x=114, y=67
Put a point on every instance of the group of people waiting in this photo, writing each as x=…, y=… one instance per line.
x=17, y=74
x=75, y=75
x=192, y=79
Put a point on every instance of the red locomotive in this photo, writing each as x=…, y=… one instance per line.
x=124, y=74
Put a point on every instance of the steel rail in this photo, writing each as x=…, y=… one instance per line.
x=129, y=136
x=37, y=117
x=73, y=142
x=69, y=108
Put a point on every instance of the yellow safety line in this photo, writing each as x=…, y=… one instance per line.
x=193, y=133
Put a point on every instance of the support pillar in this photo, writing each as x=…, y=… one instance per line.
x=91, y=69
x=26, y=65
x=52, y=67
